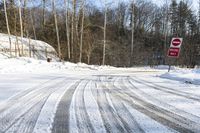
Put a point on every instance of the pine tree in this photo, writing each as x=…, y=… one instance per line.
x=182, y=17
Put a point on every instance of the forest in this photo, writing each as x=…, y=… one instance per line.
x=133, y=33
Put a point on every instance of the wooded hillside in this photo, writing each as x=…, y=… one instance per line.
x=137, y=32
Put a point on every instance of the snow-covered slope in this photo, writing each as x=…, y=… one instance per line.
x=33, y=66
x=26, y=48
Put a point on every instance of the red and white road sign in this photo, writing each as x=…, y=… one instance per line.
x=173, y=52
x=175, y=47
x=176, y=42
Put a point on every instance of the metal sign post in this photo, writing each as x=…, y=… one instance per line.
x=175, y=48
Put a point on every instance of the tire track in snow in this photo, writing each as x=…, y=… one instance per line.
x=128, y=119
x=12, y=100
x=125, y=116
x=61, y=119
x=129, y=122
x=112, y=121
x=29, y=118
x=162, y=104
x=45, y=120
x=26, y=107
x=79, y=118
x=168, y=90
x=161, y=115
x=92, y=108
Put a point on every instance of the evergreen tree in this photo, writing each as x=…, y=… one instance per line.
x=182, y=13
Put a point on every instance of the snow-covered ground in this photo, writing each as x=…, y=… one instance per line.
x=25, y=47
x=41, y=97
x=191, y=76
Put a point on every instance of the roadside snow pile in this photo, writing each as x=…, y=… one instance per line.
x=26, y=47
x=27, y=65
x=30, y=65
x=191, y=76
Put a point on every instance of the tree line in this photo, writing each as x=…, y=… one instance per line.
x=137, y=32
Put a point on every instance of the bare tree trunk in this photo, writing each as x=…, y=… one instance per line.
x=67, y=27
x=57, y=31
x=15, y=49
x=15, y=31
x=29, y=48
x=72, y=27
x=8, y=29
x=25, y=17
x=76, y=28
x=21, y=26
x=43, y=14
x=82, y=26
x=166, y=32
x=17, y=41
x=33, y=23
x=104, y=35
x=88, y=58
x=132, y=35
x=15, y=27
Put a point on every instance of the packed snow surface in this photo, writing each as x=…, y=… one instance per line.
x=43, y=97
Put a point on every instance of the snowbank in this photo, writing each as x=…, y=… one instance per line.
x=30, y=65
x=191, y=76
x=26, y=48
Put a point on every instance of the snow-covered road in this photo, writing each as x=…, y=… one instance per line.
x=98, y=102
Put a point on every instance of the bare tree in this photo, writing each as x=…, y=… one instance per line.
x=82, y=26
x=132, y=34
x=57, y=31
x=25, y=21
x=43, y=13
x=21, y=26
x=166, y=30
x=8, y=29
x=72, y=26
x=15, y=30
x=77, y=20
x=104, y=34
x=67, y=27
x=33, y=24
x=90, y=44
